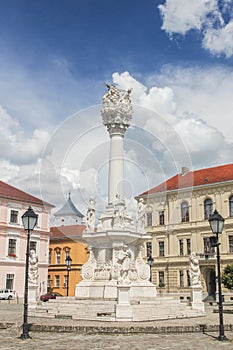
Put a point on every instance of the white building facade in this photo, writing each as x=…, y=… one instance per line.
x=177, y=218
x=13, y=238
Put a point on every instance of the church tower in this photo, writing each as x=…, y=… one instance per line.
x=68, y=214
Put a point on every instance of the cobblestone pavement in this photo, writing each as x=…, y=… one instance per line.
x=13, y=313
x=62, y=341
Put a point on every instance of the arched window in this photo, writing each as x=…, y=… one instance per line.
x=184, y=211
x=231, y=205
x=208, y=208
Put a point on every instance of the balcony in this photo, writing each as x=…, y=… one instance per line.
x=206, y=256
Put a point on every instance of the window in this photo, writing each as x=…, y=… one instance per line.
x=14, y=216
x=188, y=243
x=49, y=281
x=50, y=256
x=161, y=279
x=65, y=281
x=181, y=245
x=161, y=217
x=161, y=248
x=57, y=281
x=149, y=219
x=184, y=211
x=181, y=278
x=12, y=247
x=58, y=257
x=148, y=249
x=231, y=244
x=33, y=245
x=188, y=278
x=208, y=208
x=9, y=281
x=208, y=250
x=231, y=205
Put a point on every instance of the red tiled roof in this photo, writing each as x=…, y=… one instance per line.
x=201, y=177
x=67, y=231
x=10, y=192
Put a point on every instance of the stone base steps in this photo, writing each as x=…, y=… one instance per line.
x=105, y=310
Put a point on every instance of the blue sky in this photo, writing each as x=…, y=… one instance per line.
x=55, y=55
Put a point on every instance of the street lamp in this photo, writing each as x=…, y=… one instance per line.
x=150, y=262
x=216, y=222
x=68, y=265
x=29, y=219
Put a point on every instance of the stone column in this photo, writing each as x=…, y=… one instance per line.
x=116, y=113
x=116, y=162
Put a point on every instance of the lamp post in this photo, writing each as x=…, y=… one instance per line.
x=150, y=262
x=29, y=219
x=216, y=222
x=68, y=265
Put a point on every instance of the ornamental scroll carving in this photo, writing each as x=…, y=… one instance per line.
x=88, y=269
x=143, y=269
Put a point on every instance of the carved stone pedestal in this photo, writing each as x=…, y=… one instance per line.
x=32, y=295
x=196, y=298
x=123, y=307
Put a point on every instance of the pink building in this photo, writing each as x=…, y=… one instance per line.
x=13, y=238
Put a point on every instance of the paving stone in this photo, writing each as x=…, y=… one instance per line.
x=12, y=314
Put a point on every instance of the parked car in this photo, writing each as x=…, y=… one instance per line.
x=50, y=295
x=7, y=294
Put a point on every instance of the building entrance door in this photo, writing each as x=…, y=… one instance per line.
x=211, y=282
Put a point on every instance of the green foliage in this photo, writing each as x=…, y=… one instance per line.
x=227, y=277
x=161, y=285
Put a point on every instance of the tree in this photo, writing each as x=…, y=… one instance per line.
x=227, y=277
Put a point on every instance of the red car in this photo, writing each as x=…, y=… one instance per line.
x=50, y=295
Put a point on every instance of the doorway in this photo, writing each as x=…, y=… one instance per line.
x=211, y=282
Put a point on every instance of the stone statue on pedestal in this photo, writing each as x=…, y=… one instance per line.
x=90, y=217
x=141, y=215
x=194, y=270
x=33, y=269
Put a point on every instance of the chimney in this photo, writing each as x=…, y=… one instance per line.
x=184, y=170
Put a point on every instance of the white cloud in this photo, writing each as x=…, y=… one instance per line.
x=8, y=171
x=154, y=98
x=188, y=118
x=17, y=147
x=203, y=100
x=219, y=41
x=207, y=17
x=179, y=16
x=203, y=92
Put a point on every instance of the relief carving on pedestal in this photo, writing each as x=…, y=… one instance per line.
x=88, y=269
x=143, y=269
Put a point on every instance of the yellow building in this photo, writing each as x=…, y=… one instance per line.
x=177, y=214
x=66, y=241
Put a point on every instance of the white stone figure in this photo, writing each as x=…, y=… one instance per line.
x=33, y=268
x=116, y=107
x=125, y=106
x=113, y=94
x=90, y=217
x=118, y=219
x=123, y=259
x=194, y=270
x=141, y=215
